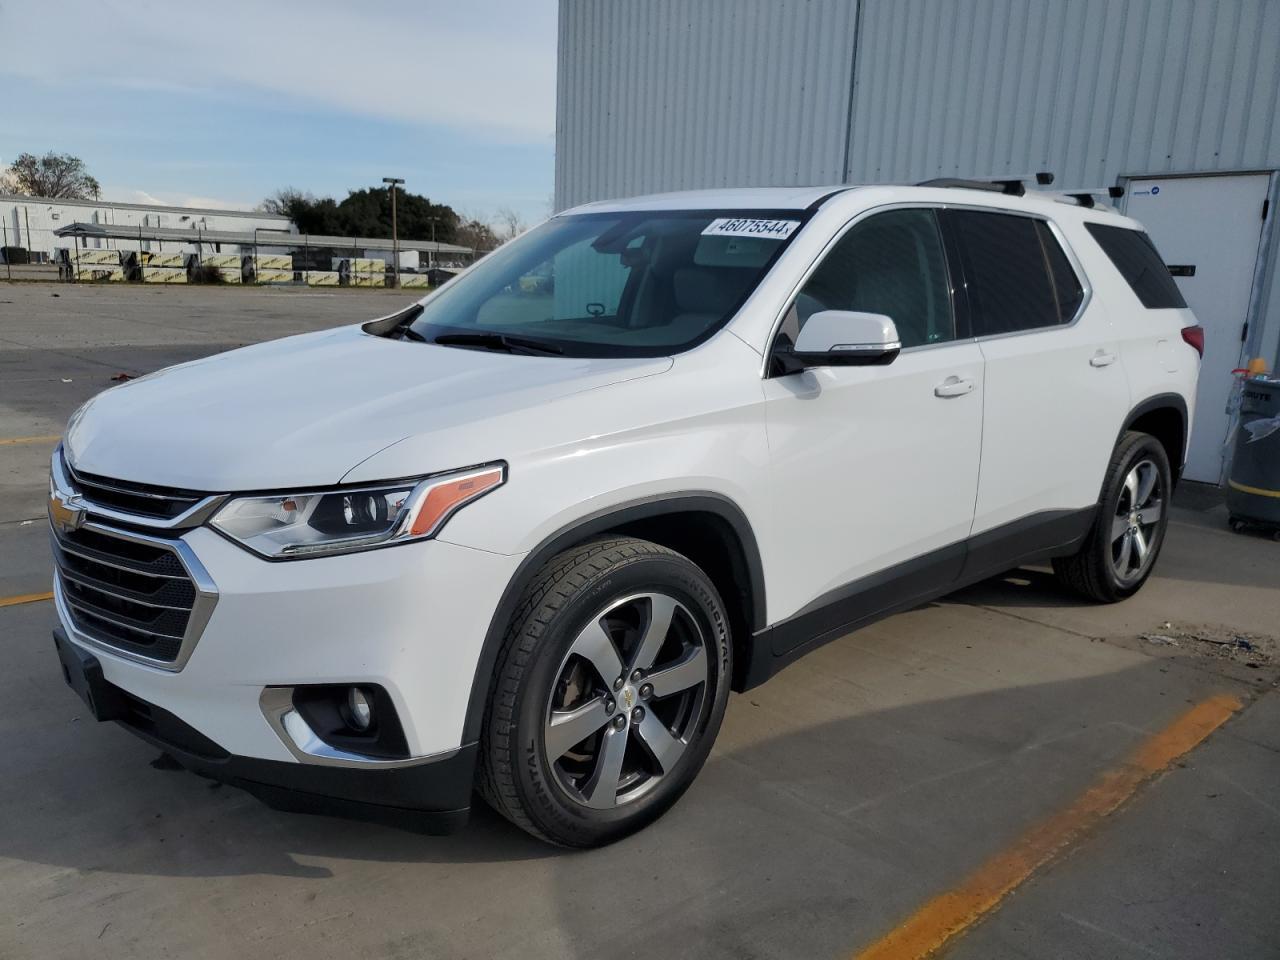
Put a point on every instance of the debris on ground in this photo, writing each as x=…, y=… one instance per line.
x=121, y=377
x=1249, y=649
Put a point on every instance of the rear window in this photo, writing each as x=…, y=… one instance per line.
x=1018, y=276
x=1136, y=258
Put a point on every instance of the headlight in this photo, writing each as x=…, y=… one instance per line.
x=296, y=525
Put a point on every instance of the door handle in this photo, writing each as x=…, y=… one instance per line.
x=1102, y=359
x=954, y=387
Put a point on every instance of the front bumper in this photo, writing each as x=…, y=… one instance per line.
x=410, y=620
x=428, y=797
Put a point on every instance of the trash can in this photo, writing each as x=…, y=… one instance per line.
x=1253, y=489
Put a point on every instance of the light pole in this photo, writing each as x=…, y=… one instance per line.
x=395, y=239
x=433, y=256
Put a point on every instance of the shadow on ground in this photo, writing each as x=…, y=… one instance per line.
x=800, y=844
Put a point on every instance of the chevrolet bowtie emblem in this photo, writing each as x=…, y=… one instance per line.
x=66, y=514
x=628, y=697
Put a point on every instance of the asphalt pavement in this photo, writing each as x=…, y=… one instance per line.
x=873, y=785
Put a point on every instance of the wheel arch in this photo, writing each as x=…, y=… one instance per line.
x=708, y=528
x=1164, y=416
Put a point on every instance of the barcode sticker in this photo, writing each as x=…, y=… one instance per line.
x=747, y=227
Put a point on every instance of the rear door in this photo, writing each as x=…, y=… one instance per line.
x=1055, y=391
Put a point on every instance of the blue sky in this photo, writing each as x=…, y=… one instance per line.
x=222, y=104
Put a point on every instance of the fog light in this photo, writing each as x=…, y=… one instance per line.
x=360, y=708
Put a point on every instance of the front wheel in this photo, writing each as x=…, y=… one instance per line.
x=609, y=692
x=1121, y=549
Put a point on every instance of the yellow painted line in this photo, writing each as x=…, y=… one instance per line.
x=1256, y=491
x=950, y=914
x=14, y=441
x=24, y=598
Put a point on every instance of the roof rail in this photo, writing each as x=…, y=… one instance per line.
x=1085, y=198
x=1013, y=186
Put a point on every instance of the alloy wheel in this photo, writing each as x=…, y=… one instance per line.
x=1135, y=526
x=627, y=700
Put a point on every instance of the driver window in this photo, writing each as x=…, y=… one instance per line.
x=891, y=263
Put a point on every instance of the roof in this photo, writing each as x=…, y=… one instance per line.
x=263, y=237
x=739, y=198
x=150, y=207
x=1047, y=202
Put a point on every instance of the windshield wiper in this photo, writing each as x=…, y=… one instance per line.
x=408, y=333
x=503, y=342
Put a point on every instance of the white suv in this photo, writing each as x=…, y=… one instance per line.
x=526, y=535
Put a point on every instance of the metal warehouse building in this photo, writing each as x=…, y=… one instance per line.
x=31, y=222
x=1177, y=101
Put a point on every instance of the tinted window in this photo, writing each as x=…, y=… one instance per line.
x=1136, y=258
x=1066, y=285
x=1018, y=276
x=891, y=263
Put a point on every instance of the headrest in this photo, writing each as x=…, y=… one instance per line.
x=709, y=290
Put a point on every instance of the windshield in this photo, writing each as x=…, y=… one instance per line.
x=635, y=283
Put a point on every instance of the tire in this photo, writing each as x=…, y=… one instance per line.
x=1122, y=546
x=591, y=617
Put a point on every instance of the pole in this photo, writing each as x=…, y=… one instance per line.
x=7, y=265
x=395, y=236
x=395, y=241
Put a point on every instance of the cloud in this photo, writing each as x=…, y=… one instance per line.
x=487, y=67
x=134, y=195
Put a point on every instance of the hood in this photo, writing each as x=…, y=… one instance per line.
x=305, y=410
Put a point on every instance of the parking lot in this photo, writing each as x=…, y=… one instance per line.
x=1007, y=772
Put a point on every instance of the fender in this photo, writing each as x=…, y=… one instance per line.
x=611, y=518
x=1162, y=401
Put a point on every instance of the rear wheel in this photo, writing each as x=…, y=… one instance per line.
x=609, y=692
x=1121, y=549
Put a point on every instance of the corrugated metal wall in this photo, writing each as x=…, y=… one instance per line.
x=1091, y=89
x=678, y=94
x=672, y=94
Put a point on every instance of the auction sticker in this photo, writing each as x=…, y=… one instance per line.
x=747, y=227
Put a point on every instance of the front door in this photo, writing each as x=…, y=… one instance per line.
x=1208, y=230
x=875, y=469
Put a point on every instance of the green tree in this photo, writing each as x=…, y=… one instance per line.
x=309, y=213
x=366, y=213
x=57, y=175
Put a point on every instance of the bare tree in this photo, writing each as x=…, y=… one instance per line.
x=475, y=233
x=508, y=224
x=57, y=175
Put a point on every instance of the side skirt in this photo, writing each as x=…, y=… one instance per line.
x=1034, y=539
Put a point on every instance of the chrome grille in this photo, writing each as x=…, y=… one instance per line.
x=145, y=597
x=129, y=503
x=140, y=499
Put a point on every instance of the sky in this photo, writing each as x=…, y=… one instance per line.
x=220, y=105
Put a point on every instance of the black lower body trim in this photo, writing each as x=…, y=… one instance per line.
x=1034, y=539
x=430, y=797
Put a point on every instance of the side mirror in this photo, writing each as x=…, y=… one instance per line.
x=846, y=338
